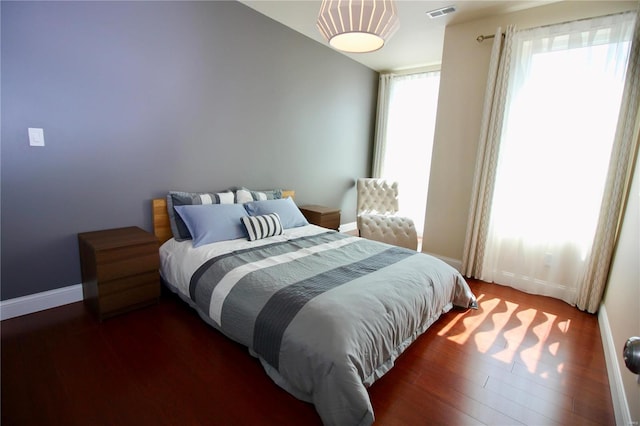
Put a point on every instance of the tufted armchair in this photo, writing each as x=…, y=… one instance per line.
x=377, y=214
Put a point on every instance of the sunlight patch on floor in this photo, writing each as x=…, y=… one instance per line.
x=452, y=323
x=486, y=339
x=516, y=336
x=471, y=323
x=511, y=332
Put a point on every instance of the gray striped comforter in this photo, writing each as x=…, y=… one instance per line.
x=327, y=314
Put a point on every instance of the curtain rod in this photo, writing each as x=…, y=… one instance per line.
x=482, y=38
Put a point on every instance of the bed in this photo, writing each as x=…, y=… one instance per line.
x=326, y=313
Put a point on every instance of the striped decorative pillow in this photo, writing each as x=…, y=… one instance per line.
x=264, y=226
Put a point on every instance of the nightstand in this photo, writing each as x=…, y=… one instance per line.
x=326, y=217
x=119, y=270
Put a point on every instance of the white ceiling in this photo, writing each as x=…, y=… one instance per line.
x=418, y=41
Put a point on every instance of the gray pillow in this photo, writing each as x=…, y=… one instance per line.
x=244, y=195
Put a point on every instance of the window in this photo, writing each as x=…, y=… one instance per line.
x=563, y=101
x=411, y=116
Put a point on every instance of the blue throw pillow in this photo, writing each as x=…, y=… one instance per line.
x=290, y=214
x=179, y=198
x=210, y=223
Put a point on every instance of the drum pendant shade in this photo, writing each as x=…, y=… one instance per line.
x=357, y=26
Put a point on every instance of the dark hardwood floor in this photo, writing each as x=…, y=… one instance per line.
x=518, y=359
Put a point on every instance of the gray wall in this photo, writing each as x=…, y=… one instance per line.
x=138, y=98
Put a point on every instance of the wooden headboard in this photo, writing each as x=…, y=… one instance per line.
x=161, y=226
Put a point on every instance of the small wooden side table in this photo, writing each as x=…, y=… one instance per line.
x=119, y=270
x=326, y=217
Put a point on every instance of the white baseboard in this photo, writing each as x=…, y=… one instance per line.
x=456, y=263
x=40, y=301
x=618, y=396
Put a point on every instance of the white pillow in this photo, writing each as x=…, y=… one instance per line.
x=225, y=197
x=243, y=196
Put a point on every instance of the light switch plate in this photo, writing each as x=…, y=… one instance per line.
x=36, y=136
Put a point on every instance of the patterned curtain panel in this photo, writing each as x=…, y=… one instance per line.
x=487, y=156
x=625, y=147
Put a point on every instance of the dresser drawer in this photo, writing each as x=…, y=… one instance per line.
x=126, y=294
x=121, y=285
x=127, y=266
x=124, y=253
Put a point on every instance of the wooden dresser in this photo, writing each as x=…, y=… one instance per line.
x=326, y=217
x=119, y=270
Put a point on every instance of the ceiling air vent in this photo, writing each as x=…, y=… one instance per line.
x=441, y=12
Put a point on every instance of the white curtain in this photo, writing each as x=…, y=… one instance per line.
x=404, y=138
x=562, y=106
x=487, y=156
x=625, y=149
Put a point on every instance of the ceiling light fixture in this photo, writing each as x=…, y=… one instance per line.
x=357, y=26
